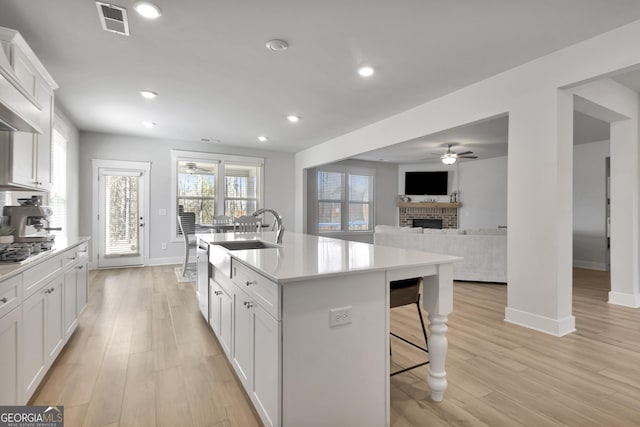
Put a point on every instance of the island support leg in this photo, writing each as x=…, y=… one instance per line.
x=438, y=301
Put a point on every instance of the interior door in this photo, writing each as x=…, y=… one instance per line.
x=121, y=217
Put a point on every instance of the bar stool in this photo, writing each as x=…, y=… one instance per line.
x=405, y=292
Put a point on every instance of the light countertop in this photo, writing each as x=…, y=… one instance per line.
x=61, y=244
x=304, y=256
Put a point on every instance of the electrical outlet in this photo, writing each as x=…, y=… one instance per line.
x=162, y=212
x=164, y=245
x=340, y=316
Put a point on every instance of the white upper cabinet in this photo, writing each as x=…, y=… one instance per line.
x=25, y=158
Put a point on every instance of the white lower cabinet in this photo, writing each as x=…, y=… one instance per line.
x=11, y=357
x=34, y=355
x=220, y=314
x=38, y=312
x=265, y=384
x=257, y=343
x=244, y=313
x=242, y=353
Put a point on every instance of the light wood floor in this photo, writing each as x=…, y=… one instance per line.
x=143, y=356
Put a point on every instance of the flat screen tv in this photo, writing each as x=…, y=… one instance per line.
x=426, y=183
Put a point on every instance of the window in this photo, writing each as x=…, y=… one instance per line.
x=209, y=185
x=58, y=194
x=345, y=201
x=240, y=189
x=197, y=189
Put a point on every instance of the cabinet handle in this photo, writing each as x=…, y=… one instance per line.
x=217, y=292
x=3, y=300
x=80, y=267
x=73, y=258
x=250, y=282
x=248, y=304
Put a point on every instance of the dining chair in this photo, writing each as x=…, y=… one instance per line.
x=222, y=221
x=187, y=224
x=247, y=224
x=405, y=292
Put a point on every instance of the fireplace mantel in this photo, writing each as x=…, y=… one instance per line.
x=429, y=205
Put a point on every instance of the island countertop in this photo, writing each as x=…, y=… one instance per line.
x=303, y=256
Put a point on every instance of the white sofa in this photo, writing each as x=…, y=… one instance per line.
x=484, y=251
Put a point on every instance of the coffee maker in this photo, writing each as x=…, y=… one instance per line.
x=28, y=222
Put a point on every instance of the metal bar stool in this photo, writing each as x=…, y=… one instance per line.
x=405, y=292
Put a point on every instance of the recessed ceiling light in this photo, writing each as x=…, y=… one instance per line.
x=148, y=94
x=215, y=141
x=277, y=45
x=366, y=71
x=149, y=124
x=293, y=119
x=262, y=138
x=147, y=10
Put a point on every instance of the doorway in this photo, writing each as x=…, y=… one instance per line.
x=121, y=208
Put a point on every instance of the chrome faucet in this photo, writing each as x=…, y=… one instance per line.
x=278, y=220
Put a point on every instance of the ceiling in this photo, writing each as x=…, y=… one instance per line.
x=215, y=78
x=487, y=139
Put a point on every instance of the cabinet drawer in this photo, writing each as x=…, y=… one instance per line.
x=74, y=255
x=36, y=277
x=10, y=294
x=265, y=292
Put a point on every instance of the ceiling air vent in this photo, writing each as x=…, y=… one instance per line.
x=113, y=18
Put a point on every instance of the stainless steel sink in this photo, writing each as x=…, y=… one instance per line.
x=246, y=244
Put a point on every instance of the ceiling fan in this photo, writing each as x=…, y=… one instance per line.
x=192, y=168
x=450, y=157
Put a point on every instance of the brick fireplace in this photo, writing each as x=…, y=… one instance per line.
x=447, y=212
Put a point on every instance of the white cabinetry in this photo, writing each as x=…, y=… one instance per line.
x=10, y=355
x=75, y=286
x=257, y=340
x=221, y=314
x=26, y=157
x=43, y=333
x=38, y=312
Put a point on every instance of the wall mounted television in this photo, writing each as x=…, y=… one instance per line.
x=426, y=183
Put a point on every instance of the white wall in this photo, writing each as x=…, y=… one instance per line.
x=482, y=188
x=278, y=173
x=385, y=197
x=589, y=205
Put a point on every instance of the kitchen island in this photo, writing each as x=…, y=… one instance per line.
x=305, y=324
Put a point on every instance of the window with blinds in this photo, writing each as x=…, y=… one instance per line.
x=210, y=185
x=240, y=189
x=58, y=194
x=197, y=190
x=345, y=202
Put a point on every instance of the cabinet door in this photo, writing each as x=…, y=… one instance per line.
x=226, y=322
x=11, y=358
x=43, y=155
x=242, y=337
x=23, y=162
x=266, y=368
x=54, y=329
x=34, y=356
x=82, y=284
x=24, y=70
x=70, y=301
x=214, y=307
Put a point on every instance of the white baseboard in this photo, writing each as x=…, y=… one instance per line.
x=557, y=327
x=591, y=265
x=165, y=261
x=627, y=300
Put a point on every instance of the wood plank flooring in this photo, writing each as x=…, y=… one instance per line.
x=143, y=356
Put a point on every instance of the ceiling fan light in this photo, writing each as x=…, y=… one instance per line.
x=448, y=160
